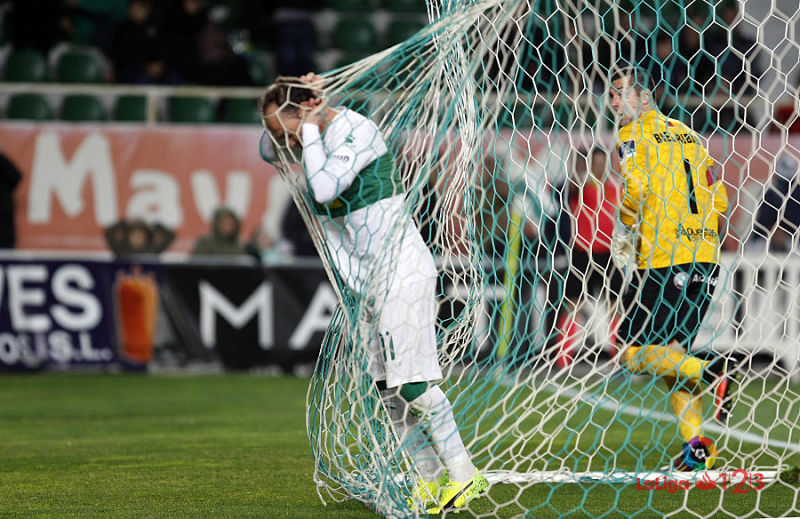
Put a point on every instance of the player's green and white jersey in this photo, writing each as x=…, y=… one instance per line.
x=356, y=192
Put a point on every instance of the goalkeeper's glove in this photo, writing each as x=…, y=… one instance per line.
x=623, y=245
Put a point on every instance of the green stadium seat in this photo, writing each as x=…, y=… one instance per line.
x=195, y=110
x=77, y=66
x=26, y=65
x=131, y=108
x=361, y=6
x=32, y=107
x=401, y=30
x=355, y=35
x=239, y=110
x=82, y=108
x=405, y=6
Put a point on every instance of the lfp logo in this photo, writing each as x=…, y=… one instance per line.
x=699, y=453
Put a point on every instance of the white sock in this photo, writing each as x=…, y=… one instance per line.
x=412, y=436
x=440, y=425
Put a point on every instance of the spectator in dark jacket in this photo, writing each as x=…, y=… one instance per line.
x=139, y=47
x=199, y=49
x=224, y=236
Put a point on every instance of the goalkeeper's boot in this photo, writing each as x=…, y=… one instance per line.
x=457, y=494
x=722, y=372
x=427, y=493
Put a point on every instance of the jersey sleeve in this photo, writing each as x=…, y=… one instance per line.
x=634, y=183
x=331, y=174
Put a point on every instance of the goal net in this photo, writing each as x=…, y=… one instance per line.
x=498, y=117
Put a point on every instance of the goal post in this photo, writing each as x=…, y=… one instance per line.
x=493, y=114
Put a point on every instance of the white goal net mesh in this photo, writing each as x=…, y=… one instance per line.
x=514, y=167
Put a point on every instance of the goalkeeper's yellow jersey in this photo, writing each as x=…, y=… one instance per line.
x=669, y=192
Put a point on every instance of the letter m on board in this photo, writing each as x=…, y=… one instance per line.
x=213, y=303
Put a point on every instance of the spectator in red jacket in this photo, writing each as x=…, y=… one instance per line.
x=593, y=203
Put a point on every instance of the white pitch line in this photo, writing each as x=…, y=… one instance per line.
x=611, y=404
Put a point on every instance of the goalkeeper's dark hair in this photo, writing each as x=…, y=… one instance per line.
x=287, y=93
x=640, y=79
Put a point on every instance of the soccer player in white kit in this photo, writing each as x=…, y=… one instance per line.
x=376, y=250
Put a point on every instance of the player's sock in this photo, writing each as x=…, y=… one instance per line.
x=412, y=437
x=660, y=360
x=436, y=414
x=689, y=410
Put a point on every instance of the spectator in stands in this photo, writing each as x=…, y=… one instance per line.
x=628, y=45
x=139, y=237
x=268, y=249
x=778, y=217
x=293, y=35
x=125, y=238
x=94, y=22
x=543, y=58
x=116, y=236
x=739, y=73
x=696, y=66
x=224, y=235
x=162, y=237
x=594, y=199
x=10, y=177
x=139, y=50
x=199, y=49
x=665, y=66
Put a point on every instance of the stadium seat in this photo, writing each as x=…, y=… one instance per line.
x=405, y=6
x=401, y=30
x=195, y=110
x=355, y=35
x=361, y=6
x=240, y=110
x=131, y=108
x=80, y=108
x=78, y=66
x=33, y=107
x=25, y=65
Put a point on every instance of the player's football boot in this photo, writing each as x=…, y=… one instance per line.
x=427, y=493
x=457, y=494
x=721, y=372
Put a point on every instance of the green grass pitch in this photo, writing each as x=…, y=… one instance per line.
x=84, y=446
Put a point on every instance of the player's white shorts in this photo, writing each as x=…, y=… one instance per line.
x=403, y=348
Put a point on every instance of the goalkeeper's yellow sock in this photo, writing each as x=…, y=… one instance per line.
x=689, y=410
x=660, y=360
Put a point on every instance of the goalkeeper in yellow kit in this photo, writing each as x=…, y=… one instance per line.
x=669, y=229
